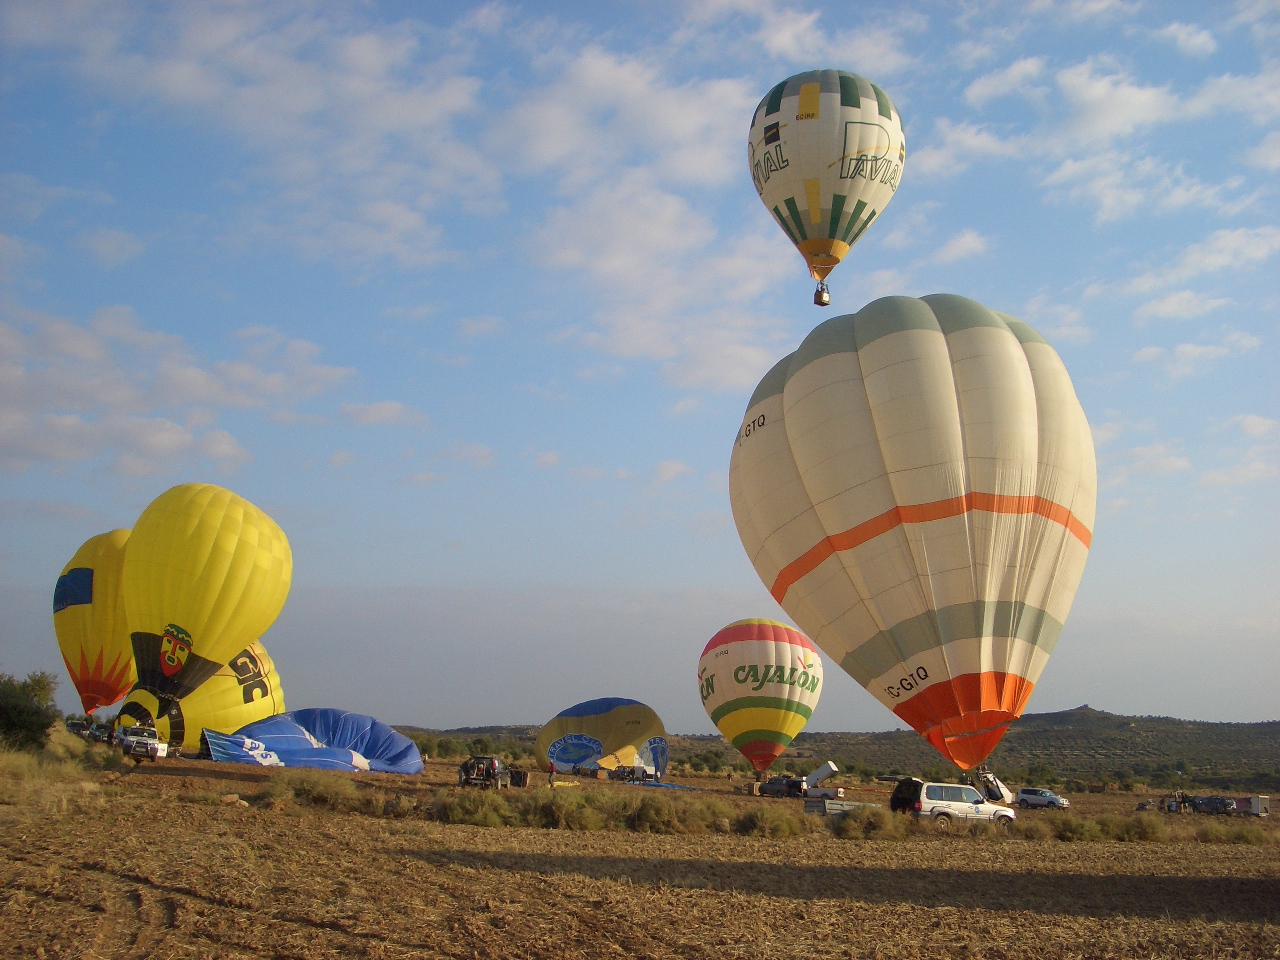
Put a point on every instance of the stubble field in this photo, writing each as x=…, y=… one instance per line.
x=153, y=864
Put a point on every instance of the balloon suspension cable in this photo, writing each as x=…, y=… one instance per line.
x=822, y=296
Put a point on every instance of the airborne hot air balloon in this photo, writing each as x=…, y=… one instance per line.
x=760, y=681
x=916, y=486
x=205, y=574
x=610, y=732
x=89, y=620
x=245, y=690
x=826, y=151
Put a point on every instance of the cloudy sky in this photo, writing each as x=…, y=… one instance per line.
x=472, y=305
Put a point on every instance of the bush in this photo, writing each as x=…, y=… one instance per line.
x=772, y=822
x=870, y=823
x=1069, y=828
x=480, y=808
x=321, y=788
x=1250, y=834
x=27, y=710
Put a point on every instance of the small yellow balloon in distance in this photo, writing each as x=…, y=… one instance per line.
x=244, y=691
x=760, y=681
x=90, y=623
x=206, y=572
x=826, y=152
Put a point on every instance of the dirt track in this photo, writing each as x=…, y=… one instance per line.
x=141, y=873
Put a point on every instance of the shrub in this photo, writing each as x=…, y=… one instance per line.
x=27, y=710
x=1033, y=828
x=1069, y=828
x=870, y=823
x=773, y=822
x=321, y=788
x=480, y=808
x=1250, y=834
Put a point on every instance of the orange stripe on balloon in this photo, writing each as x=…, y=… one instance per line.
x=810, y=560
x=758, y=632
x=965, y=717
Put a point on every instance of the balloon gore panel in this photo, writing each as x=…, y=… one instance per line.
x=322, y=738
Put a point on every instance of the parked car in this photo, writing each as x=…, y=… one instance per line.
x=948, y=804
x=78, y=727
x=142, y=743
x=1037, y=797
x=485, y=772
x=782, y=787
x=99, y=732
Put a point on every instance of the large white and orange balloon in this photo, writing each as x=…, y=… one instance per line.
x=916, y=485
x=759, y=681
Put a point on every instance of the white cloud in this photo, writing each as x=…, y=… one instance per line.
x=958, y=146
x=669, y=470
x=1267, y=153
x=112, y=248
x=341, y=458
x=587, y=473
x=1013, y=80
x=1157, y=458
x=1056, y=321
x=1121, y=186
x=1189, y=39
x=802, y=38
x=383, y=412
x=1258, y=463
x=1223, y=249
x=1180, y=305
x=1253, y=425
x=1187, y=359
x=481, y=326
x=966, y=244
x=353, y=121
x=685, y=405
x=1106, y=105
x=548, y=458
x=476, y=454
x=137, y=400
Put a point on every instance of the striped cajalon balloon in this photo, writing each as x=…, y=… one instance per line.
x=916, y=486
x=760, y=681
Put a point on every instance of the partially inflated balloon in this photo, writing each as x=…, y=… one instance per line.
x=205, y=573
x=89, y=620
x=244, y=691
x=760, y=681
x=826, y=151
x=916, y=486
x=608, y=732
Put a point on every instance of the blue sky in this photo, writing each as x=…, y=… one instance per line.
x=472, y=305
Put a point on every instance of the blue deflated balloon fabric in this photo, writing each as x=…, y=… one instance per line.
x=323, y=738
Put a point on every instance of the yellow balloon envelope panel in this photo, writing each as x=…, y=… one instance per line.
x=205, y=573
x=759, y=681
x=609, y=732
x=916, y=486
x=826, y=151
x=243, y=691
x=90, y=623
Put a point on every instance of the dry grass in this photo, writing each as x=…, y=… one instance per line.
x=392, y=867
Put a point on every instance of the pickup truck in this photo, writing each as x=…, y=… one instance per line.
x=142, y=743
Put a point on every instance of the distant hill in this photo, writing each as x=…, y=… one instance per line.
x=1081, y=744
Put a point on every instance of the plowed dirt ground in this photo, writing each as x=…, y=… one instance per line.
x=134, y=871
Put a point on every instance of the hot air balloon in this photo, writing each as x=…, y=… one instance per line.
x=321, y=737
x=916, y=486
x=89, y=620
x=205, y=573
x=248, y=688
x=760, y=681
x=610, y=732
x=826, y=152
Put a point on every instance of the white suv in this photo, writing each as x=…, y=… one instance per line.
x=1035, y=797
x=948, y=804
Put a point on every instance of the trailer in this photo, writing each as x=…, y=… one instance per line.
x=825, y=807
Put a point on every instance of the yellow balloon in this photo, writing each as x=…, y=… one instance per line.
x=89, y=620
x=205, y=573
x=246, y=690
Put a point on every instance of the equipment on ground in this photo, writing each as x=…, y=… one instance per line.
x=488, y=773
x=916, y=486
x=760, y=681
